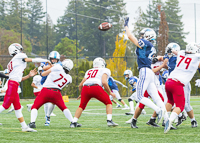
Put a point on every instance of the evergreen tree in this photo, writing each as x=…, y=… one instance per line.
x=3, y=9
x=173, y=17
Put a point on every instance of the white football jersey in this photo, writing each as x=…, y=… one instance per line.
x=57, y=78
x=94, y=75
x=37, y=82
x=186, y=67
x=16, y=67
x=157, y=64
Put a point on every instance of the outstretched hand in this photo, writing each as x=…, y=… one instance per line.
x=126, y=20
x=32, y=72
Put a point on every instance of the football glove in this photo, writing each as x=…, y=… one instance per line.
x=197, y=82
x=126, y=20
x=154, y=60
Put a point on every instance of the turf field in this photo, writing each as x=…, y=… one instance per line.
x=94, y=127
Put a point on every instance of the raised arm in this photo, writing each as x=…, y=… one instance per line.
x=36, y=60
x=129, y=35
x=120, y=83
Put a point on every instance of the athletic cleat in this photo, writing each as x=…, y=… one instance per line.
x=129, y=121
x=29, y=107
x=194, y=124
x=52, y=114
x=27, y=129
x=32, y=125
x=172, y=127
x=110, y=123
x=75, y=124
x=126, y=108
x=143, y=112
x=47, y=123
x=152, y=122
x=168, y=125
x=160, y=115
x=133, y=123
x=118, y=106
x=11, y=110
x=180, y=120
x=129, y=113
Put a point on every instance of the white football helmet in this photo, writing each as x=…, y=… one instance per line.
x=173, y=46
x=15, y=48
x=6, y=71
x=54, y=55
x=67, y=64
x=192, y=47
x=39, y=69
x=148, y=34
x=99, y=63
x=129, y=73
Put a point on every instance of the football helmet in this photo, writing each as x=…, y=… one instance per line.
x=129, y=73
x=172, y=46
x=39, y=69
x=192, y=47
x=6, y=71
x=148, y=34
x=54, y=55
x=15, y=48
x=99, y=63
x=67, y=64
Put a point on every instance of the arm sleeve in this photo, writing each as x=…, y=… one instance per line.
x=118, y=82
x=3, y=76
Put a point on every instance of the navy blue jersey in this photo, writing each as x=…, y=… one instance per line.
x=160, y=79
x=131, y=82
x=145, y=54
x=165, y=75
x=171, y=63
x=112, y=84
x=45, y=77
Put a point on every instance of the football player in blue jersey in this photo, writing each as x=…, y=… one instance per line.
x=188, y=110
x=128, y=75
x=114, y=88
x=144, y=52
x=54, y=58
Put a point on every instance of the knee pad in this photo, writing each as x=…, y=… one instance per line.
x=119, y=100
x=129, y=100
x=18, y=113
x=188, y=107
x=136, y=101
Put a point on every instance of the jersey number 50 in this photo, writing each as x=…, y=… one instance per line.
x=92, y=73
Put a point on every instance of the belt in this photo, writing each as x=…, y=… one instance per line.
x=54, y=89
x=91, y=85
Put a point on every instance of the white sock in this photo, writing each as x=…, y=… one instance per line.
x=68, y=115
x=173, y=116
x=23, y=124
x=161, y=104
x=12, y=107
x=2, y=109
x=117, y=103
x=192, y=119
x=50, y=109
x=166, y=116
x=150, y=104
x=168, y=113
x=34, y=113
x=109, y=117
x=185, y=113
x=180, y=115
x=131, y=104
x=126, y=106
x=45, y=108
x=75, y=119
x=153, y=117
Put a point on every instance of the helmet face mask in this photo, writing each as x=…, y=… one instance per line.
x=54, y=57
x=128, y=74
x=99, y=63
x=15, y=48
x=148, y=34
x=172, y=46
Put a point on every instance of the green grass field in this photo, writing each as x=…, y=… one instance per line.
x=94, y=127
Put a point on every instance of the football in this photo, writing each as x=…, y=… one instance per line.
x=104, y=26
